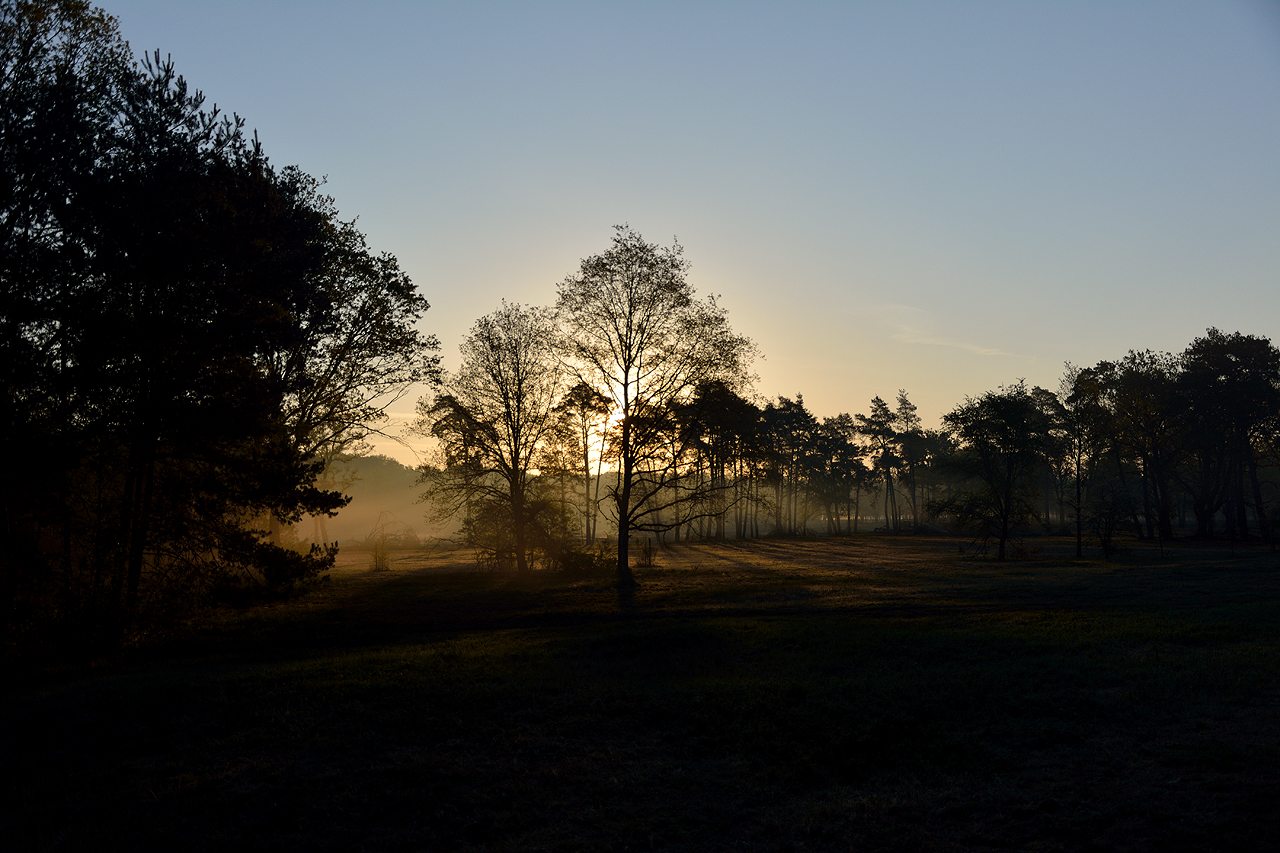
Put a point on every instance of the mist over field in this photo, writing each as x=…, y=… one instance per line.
x=384, y=501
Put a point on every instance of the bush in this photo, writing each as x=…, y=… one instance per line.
x=258, y=571
x=599, y=561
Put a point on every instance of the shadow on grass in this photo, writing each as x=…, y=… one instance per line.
x=930, y=704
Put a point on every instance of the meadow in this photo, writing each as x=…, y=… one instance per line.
x=865, y=693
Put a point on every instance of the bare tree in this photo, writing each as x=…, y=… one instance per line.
x=492, y=416
x=635, y=331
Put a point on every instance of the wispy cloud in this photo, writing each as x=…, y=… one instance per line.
x=913, y=325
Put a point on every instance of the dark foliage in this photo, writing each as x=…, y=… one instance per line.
x=167, y=299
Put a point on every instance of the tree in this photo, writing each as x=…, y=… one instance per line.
x=913, y=451
x=1148, y=423
x=1000, y=436
x=493, y=415
x=1230, y=389
x=1055, y=467
x=635, y=330
x=880, y=429
x=63, y=72
x=848, y=472
x=585, y=409
x=165, y=291
x=356, y=357
x=354, y=361
x=794, y=436
x=715, y=423
x=1086, y=436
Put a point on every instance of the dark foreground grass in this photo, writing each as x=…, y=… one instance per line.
x=830, y=695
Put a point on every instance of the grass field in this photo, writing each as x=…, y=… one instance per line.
x=831, y=694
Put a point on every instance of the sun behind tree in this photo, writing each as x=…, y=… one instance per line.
x=633, y=327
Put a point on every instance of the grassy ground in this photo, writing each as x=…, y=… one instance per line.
x=864, y=694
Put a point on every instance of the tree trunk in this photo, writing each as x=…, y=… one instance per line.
x=518, y=522
x=1242, y=506
x=140, y=513
x=1259, y=508
x=1124, y=487
x=777, y=505
x=626, y=580
x=1079, y=506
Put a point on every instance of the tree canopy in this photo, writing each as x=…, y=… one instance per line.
x=186, y=330
x=1000, y=436
x=492, y=417
x=635, y=330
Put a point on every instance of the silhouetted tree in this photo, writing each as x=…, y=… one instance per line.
x=585, y=411
x=354, y=361
x=880, y=430
x=719, y=422
x=1055, y=464
x=493, y=415
x=847, y=470
x=793, y=434
x=913, y=451
x=1000, y=436
x=155, y=271
x=1086, y=435
x=1141, y=397
x=559, y=474
x=1230, y=391
x=635, y=331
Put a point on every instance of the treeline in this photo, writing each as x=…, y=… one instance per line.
x=556, y=419
x=187, y=334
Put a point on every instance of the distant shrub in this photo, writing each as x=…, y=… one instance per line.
x=644, y=554
x=599, y=561
x=381, y=556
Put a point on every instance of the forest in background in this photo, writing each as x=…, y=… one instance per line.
x=545, y=426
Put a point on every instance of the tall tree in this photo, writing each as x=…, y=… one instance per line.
x=716, y=422
x=912, y=451
x=585, y=410
x=500, y=407
x=154, y=268
x=1148, y=423
x=636, y=331
x=1086, y=435
x=363, y=354
x=1000, y=436
x=848, y=472
x=880, y=429
x=1230, y=388
x=1055, y=463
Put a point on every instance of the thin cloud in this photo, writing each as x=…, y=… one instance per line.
x=912, y=325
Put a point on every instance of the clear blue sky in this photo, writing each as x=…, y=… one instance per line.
x=941, y=197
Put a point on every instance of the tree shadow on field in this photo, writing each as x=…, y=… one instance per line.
x=1013, y=707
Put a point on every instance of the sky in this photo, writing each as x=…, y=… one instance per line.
x=940, y=197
